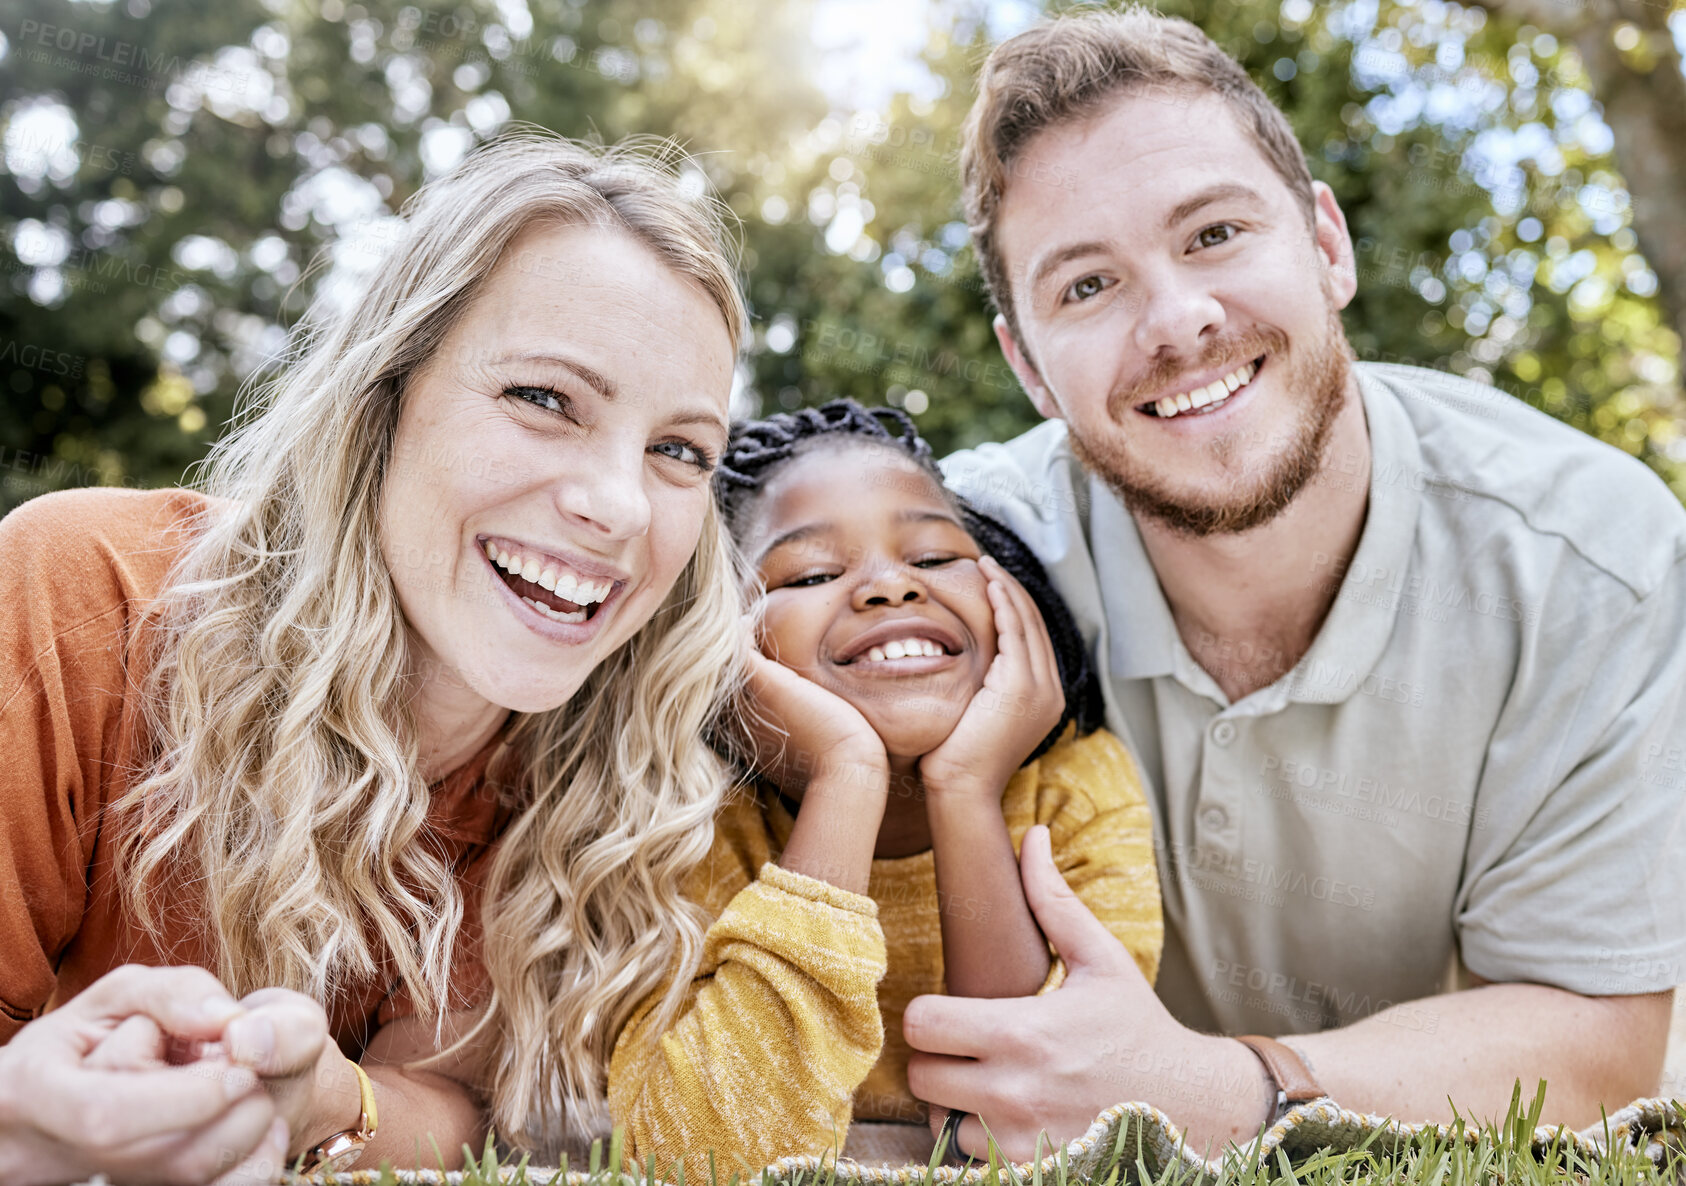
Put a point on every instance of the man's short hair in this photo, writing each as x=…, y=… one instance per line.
x=1065, y=69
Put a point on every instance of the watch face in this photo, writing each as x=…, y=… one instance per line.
x=339, y=1154
x=345, y=1160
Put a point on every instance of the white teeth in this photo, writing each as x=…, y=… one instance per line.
x=549, y=576
x=1211, y=395
x=905, y=648
x=556, y=615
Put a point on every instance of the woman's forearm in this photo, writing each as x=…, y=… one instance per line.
x=992, y=946
x=425, y=1119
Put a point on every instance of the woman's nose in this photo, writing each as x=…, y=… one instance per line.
x=606, y=494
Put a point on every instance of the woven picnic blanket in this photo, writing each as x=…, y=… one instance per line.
x=1127, y=1134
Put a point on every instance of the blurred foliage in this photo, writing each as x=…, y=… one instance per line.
x=171, y=172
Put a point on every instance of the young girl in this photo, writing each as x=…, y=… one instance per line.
x=915, y=719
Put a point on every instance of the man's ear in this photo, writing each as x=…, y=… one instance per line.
x=1038, y=391
x=1334, y=244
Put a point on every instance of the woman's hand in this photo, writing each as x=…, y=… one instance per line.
x=1020, y=701
x=88, y=1089
x=283, y=1037
x=798, y=731
x=278, y=1036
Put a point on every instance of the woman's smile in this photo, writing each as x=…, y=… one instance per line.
x=555, y=595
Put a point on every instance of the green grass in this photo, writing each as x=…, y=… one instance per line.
x=1506, y=1154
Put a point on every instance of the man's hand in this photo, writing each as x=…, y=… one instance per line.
x=89, y=1089
x=1029, y=1065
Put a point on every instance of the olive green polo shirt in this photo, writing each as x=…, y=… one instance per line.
x=1483, y=753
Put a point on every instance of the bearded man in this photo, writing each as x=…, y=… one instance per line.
x=1401, y=658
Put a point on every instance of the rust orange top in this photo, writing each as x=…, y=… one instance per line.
x=78, y=570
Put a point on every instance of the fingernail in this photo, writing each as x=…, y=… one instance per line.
x=220, y=1010
x=237, y=1082
x=252, y=1041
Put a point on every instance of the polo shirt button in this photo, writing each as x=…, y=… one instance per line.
x=1223, y=732
x=1214, y=818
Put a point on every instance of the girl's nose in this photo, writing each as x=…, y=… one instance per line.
x=890, y=584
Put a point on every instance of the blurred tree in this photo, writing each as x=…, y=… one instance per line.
x=172, y=171
x=175, y=171
x=1633, y=66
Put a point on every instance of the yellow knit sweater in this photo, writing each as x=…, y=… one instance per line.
x=793, y=1022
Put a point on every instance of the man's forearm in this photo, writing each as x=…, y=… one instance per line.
x=1468, y=1049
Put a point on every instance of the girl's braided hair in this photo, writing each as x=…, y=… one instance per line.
x=756, y=448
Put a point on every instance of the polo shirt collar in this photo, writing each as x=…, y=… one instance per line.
x=1144, y=638
x=1361, y=621
x=1144, y=642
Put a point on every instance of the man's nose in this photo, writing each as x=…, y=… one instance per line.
x=1179, y=313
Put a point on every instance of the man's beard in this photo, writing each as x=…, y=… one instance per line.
x=1319, y=374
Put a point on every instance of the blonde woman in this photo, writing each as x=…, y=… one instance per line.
x=388, y=741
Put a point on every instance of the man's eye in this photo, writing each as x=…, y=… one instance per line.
x=685, y=451
x=1089, y=286
x=813, y=578
x=1216, y=235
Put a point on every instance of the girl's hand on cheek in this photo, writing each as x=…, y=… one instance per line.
x=796, y=729
x=1020, y=701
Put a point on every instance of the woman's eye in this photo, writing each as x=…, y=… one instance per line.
x=545, y=397
x=1084, y=289
x=934, y=561
x=813, y=578
x=684, y=451
x=1216, y=235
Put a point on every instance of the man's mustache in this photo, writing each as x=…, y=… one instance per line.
x=1166, y=376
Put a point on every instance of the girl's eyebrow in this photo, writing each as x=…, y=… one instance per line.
x=797, y=535
x=922, y=515
x=825, y=527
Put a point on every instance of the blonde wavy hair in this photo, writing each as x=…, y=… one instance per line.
x=284, y=774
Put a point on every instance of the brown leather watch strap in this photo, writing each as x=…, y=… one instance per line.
x=1289, y=1071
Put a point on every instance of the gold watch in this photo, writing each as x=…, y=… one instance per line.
x=340, y=1152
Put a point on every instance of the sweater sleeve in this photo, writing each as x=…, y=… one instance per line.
x=66, y=584
x=779, y=1027
x=1090, y=796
